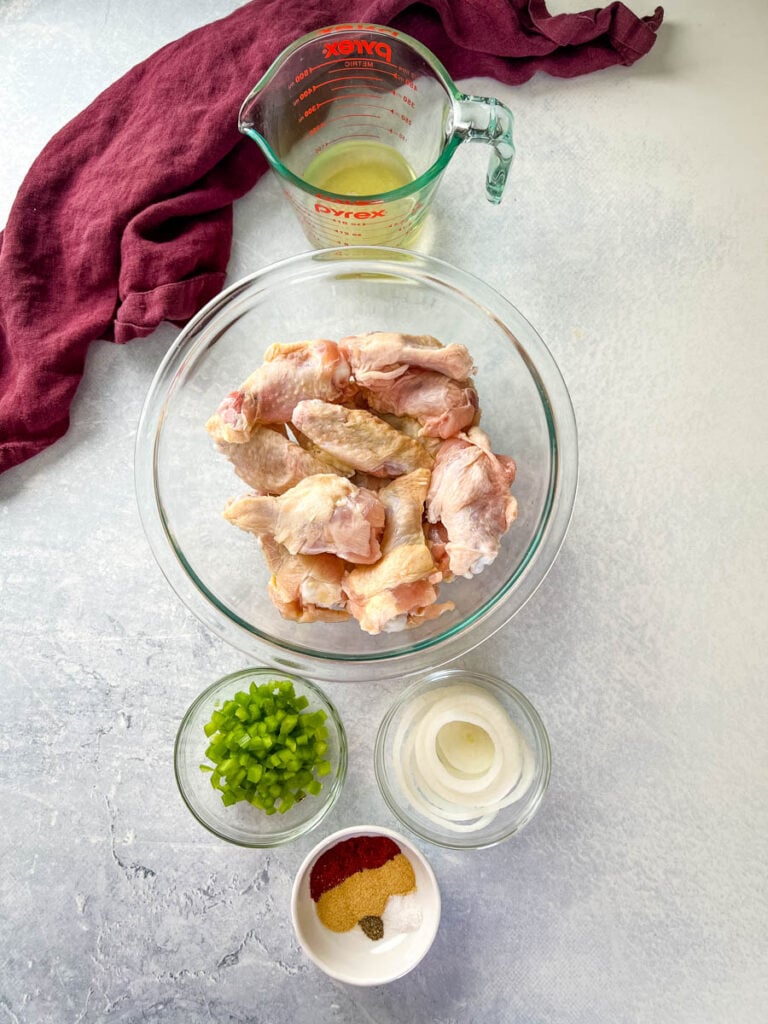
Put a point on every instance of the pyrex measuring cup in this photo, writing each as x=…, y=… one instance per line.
x=359, y=122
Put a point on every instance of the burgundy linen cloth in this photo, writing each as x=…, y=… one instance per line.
x=125, y=219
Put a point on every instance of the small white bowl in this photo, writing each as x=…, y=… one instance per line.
x=350, y=956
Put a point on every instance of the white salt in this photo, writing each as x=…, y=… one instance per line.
x=401, y=914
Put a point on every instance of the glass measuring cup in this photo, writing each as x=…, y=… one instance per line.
x=359, y=123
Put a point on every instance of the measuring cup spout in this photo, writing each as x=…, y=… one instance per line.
x=485, y=119
x=250, y=118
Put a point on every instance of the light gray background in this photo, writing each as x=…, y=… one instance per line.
x=633, y=236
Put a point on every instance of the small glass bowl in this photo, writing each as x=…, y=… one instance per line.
x=241, y=823
x=509, y=819
x=350, y=957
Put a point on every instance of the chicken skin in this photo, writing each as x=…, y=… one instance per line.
x=289, y=373
x=379, y=355
x=443, y=406
x=469, y=495
x=322, y=514
x=270, y=463
x=400, y=590
x=360, y=439
x=305, y=588
x=334, y=465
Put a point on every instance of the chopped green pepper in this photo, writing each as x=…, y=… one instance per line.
x=266, y=748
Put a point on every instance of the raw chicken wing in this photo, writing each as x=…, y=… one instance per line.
x=305, y=588
x=270, y=463
x=333, y=465
x=323, y=513
x=379, y=355
x=469, y=494
x=401, y=589
x=360, y=439
x=290, y=373
x=411, y=428
x=443, y=406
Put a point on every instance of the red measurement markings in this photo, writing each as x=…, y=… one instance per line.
x=358, y=113
x=352, y=78
x=305, y=93
x=346, y=117
x=405, y=76
x=359, y=135
x=385, y=69
x=370, y=98
x=409, y=82
x=324, y=102
x=322, y=146
x=314, y=108
x=302, y=75
x=357, y=96
x=363, y=96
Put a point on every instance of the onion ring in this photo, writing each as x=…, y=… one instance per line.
x=457, y=800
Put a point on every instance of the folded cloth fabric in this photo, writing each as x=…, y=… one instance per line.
x=125, y=219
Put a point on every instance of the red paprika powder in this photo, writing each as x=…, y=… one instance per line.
x=347, y=857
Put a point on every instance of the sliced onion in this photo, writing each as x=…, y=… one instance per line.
x=507, y=762
x=433, y=766
x=431, y=811
x=466, y=750
x=458, y=800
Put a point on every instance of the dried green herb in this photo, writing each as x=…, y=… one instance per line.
x=373, y=927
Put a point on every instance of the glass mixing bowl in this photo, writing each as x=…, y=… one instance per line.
x=240, y=823
x=183, y=484
x=401, y=719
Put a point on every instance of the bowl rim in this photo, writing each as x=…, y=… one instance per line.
x=457, y=639
x=411, y=851
x=487, y=681
x=287, y=835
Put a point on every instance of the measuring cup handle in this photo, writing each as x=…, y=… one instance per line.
x=485, y=119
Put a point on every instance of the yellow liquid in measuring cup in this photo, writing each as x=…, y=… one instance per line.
x=359, y=168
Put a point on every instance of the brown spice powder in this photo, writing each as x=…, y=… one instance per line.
x=365, y=894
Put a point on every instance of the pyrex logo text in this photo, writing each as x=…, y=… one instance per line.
x=348, y=214
x=364, y=47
